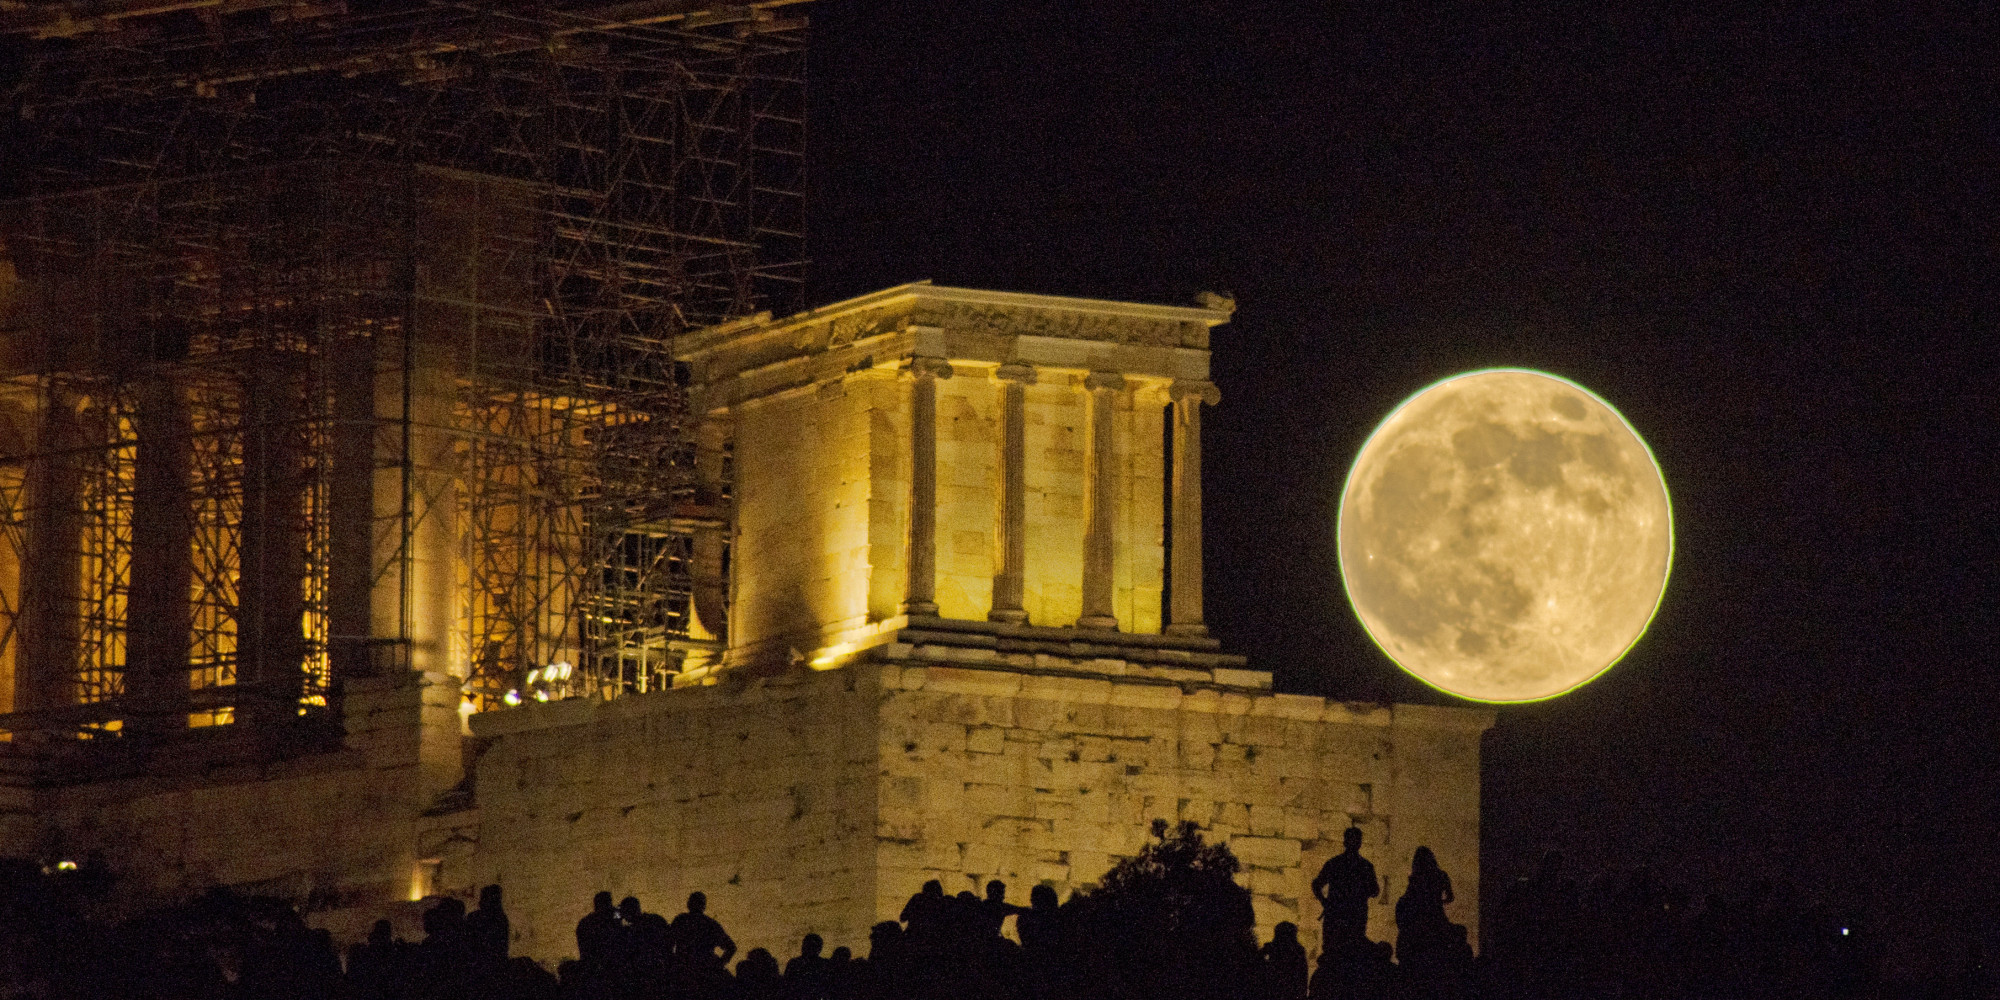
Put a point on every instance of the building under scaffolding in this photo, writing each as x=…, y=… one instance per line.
x=336, y=341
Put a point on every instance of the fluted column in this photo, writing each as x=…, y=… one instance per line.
x=1100, y=492
x=921, y=599
x=1184, y=562
x=1009, y=587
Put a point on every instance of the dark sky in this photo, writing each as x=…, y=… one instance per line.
x=1767, y=238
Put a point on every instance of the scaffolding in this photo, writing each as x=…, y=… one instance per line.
x=330, y=315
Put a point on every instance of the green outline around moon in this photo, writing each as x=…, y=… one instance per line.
x=1666, y=575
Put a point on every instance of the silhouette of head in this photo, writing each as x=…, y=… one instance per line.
x=933, y=888
x=382, y=933
x=1352, y=838
x=811, y=945
x=697, y=902
x=996, y=891
x=758, y=966
x=601, y=903
x=489, y=898
x=629, y=908
x=1286, y=931
x=883, y=938
x=843, y=954
x=1042, y=897
x=1423, y=861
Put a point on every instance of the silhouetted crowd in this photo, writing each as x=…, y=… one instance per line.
x=1172, y=922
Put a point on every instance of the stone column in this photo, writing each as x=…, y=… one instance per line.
x=921, y=599
x=1100, y=494
x=1009, y=585
x=1184, y=562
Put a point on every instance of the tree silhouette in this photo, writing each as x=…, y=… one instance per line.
x=1172, y=919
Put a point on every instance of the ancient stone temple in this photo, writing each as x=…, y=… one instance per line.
x=946, y=623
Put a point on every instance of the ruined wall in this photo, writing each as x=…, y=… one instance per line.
x=1055, y=441
x=968, y=492
x=761, y=795
x=806, y=474
x=821, y=801
x=329, y=831
x=810, y=801
x=1026, y=778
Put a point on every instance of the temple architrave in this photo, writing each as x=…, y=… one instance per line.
x=946, y=623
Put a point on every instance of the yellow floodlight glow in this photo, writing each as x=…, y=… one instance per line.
x=831, y=656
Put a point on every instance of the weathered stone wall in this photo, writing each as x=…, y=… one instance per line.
x=821, y=801
x=997, y=774
x=1055, y=440
x=331, y=830
x=968, y=492
x=805, y=474
x=811, y=801
x=760, y=794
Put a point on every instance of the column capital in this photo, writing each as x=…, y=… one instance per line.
x=1183, y=388
x=924, y=364
x=1014, y=371
x=1104, y=380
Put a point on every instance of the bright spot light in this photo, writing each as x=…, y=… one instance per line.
x=832, y=655
x=1843, y=932
x=541, y=696
x=512, y=697
x=534, y=675
x=65, y=866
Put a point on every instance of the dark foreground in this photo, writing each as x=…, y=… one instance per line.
x=1170, y=923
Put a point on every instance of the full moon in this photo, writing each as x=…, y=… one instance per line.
x=1505, y=536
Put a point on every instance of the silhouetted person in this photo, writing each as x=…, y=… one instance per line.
x=597, y=933
x=806, y=973
x=486, y=929
x=1039, y=926
x=924, y=915
x=757, y=976
x=1422, y=931
x=649, y=939
x=442, y=956
x=963, y=918
x=994, y=910
x=698, y=940
x=1284, y=961
x=1343, y=887
x=373, y=964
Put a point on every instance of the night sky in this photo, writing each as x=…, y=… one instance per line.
x=1766, y=238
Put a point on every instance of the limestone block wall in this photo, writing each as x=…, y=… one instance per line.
x=998, y=774
x=1056, y=429
x=331, y=832
x=761, y=794
x=806, y=470
x=968, y=493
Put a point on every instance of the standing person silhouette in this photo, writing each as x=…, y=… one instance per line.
x=698, y=940
x=597, y=933
x=1343, y=887
x=1421, y=926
